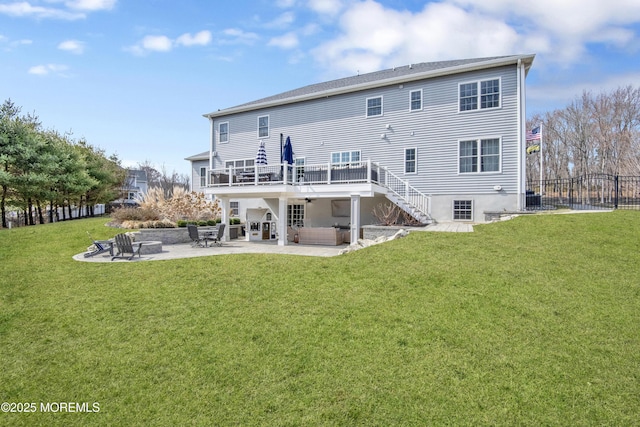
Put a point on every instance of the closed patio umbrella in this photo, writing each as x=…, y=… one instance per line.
x=261, y=157
x=287, y=152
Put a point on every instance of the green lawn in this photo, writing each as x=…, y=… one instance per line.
x=533, y=321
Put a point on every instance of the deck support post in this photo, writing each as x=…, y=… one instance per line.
x=282, y=221
x=355, y=218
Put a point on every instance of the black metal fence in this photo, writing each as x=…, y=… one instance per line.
x=598, y=191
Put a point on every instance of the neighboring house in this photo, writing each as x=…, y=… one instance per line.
x=445, y=141
x=134, y=187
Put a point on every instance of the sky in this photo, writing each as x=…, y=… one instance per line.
x=134, y=77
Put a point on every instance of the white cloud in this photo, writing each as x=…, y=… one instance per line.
x=326, y=7
x=72, y=46
x=157, y=43
x=161, y=43
x=285, y=3
x=25, y=9
x=569, y=25
x=42, y=70
x=238, y=36
x=283, y=21
x=560, y=31
x=91, y=4
x=10, y=44
x=440, y=31
x=202, y=38
x=287, y=41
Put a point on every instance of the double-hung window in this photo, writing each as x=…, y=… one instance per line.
x=234, y=207
x=483, y=94
x=345, y=157
x=415, y=100
x=410, y=160
x=263, y=127
x=223, y=132
x=203, y=177
x=479, y=155
x=374, y=106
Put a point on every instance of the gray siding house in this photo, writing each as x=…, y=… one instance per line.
x=445, y=141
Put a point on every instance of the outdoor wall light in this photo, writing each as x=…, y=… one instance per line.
x=497, y=187
x=383, y=136
x=388, y=127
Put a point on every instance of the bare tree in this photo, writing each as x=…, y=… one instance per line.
x=164, y=180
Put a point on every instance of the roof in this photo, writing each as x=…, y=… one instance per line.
x=394, y=75
x=139, y=174
x=202, y=156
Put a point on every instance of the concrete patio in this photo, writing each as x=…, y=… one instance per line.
x=185, y=250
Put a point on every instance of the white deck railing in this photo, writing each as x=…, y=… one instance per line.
x=327, y=173
x=295, y=174
x=404, y=191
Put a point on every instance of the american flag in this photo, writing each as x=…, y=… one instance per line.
x=533, y=134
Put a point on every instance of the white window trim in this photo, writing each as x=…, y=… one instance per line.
x=453, y=209
x=479, y=95
x=415, y=160
x=421, y=100
x=268, y=126
x=219, y=133
x=366, y=105
x=347, y=162
x=478, y=142
x=232, y=209
x=239, y=160
x=203, y=176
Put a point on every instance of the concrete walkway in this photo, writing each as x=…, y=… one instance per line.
x=449, y=227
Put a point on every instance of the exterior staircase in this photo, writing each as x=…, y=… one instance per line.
x=407, y=197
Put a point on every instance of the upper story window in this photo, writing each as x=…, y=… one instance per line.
x=263, y=127
x=410, y=160
x=482, y=95
x=415, y=100
x=481, y=155
x=374, y=106
x=203, y=177
x=345, y=157
x=223, y=132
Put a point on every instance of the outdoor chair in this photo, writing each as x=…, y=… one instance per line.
x=196, y=238
x=217, y=239
x=99, y=247
x=126, y=248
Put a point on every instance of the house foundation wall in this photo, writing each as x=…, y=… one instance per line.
x=442, y=205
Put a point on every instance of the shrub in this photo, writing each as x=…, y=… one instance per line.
x=387, y=214
x=134, y=214
x=157, y=211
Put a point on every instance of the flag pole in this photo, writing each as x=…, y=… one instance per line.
x=541, y=161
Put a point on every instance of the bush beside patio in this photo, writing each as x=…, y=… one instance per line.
x=155, y=210
x=532, y=321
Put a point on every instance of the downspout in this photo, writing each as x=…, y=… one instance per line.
x=211, y=150
x=213, y=144
x=521, y=126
